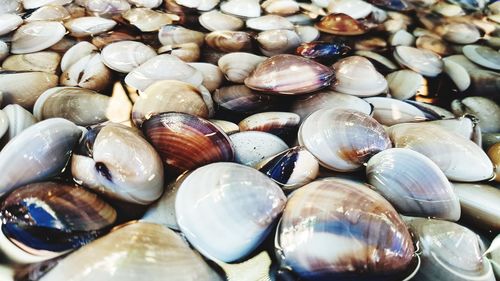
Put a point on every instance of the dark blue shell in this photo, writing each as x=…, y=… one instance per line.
x=281, y=166
x=323, y=50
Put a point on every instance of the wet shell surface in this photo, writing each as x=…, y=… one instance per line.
x=276, y=123
x=480, y=204
x=405, y=84
x=484, y=109
x=342, y=140
x=215, y=20
x=25, y=94
x=251, y=147
x=39, y=61
x=240, y=99
x=212, y=75
x=483, y=56
x=241, y=8
x=341, y=24
x=234, y=197
x=87, y=26
x=36, y=36
x=229, y=41
x=9, y=22
x=19, y=119
x=237, y=66
x=277, y=41
x=424, y=62
x=370, y=238
x=176, y=34
x=75, y=53
x=269, y=22
x=389, y=111
x=88, y=72
x=125, y=56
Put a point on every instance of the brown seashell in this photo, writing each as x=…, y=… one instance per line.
x=341, y=24
x=229, y=41
x=188, y=52
x=276, y=123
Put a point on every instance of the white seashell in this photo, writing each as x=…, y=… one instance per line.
x=441, y=146
x=401, y=38
x=6, y=273
x=480, y=204
x=106, y=7
x=9, y=22
x=33, y=4
x=300, y=19
x=424, y=62
x=25, y=93
x=278, y=41
x=389, y=111
x=269, y=22
x=241, y=8
x=201, y=5
x=19, y=119
x=49, y=13
x=75, y=53
x=252, y=147
x=212, y=75
x=307, y=33
x=483, y=56
x=404, y=84
x=4, y=123
x=387, y=63
x=124, y=56
x=88, y=72
x=163, y=67
x=87, y=26
x=321, y=3
x=460, y=33
x=148, y=20
x=356, y=9
x=413, y=184
x=357, y=76
x=4, y=50
x=215, y=20
x=40, y=61
x=176, y=34
x=228, y=127
x=36, y=36
x=188, y=52
x=466, y=127
x=238, y=66
x=10, y=7
x=457, y=73
x=486, y=110
x=312, y=10
x=146, y=3
x=247, y=203
x=281, y=7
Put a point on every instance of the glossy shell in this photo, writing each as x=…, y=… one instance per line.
x=424, y=62
x=389, y=111
x=276, y=123
x=480, y=205
x=341, y=24
x=124, y=56
x=251, y=147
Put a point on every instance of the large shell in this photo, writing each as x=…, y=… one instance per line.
x=44, y=220
x=229, y=41
x=19, y=119
x=251, y=147
x=80, y=106
x=413, y=184
x=212, y=75
x=278, y=41
x=365, y=235
x=486, y=110
x=26, y=93
x=186, y=142
x=49, y=13
x=289, y=74
x=342, y=140
x=237, y=66
x=124, y=56
x=241, y=8
x=422, y=61
x=389, y=111
x=75, y=53
x=40, y=61
x=36, y=36
x=215, y=20
x=449, y=252
x=120, y=163
x=88, y=72
x=229, y=225
x=135, y=251
x=404, y=84
x=87, y=26
x=480, y=205
x=39, y=152
x=176, y=34
x=442, y=146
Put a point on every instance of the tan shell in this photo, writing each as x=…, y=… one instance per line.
x=215, y=20
x=25, y=93
x=229, y=41
x=188, y=52
x=275, y=42
x=40, y=61
x=176, y=34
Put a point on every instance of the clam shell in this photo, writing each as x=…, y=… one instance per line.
x=44, y=220
x=237, y=66
x=33, y=4
x=357, y=76
x=215, y=20
x=441, y=146
x=289, y=74
x=276, y=123
x=241, y=8
x=401, y=38
x=40, y=61
x=251, y=147
x=4, y=50
x=342, y=140
x=229, y=41
x=356, y=9
x=458, y=74
x=148, y=20
x=80, y=106
x=157, y=252
x=432, y=111
x=389, y=111
x=341, y=24
x=19, y=119
x=125, y=56
x=382, y=63
x=162, y=67
x=7, y=7
x=186, y=142
x=169, y=95
x=280, y=7
x=4, y=123
x=404, y=84
x=480, y=205
x=449, y=251
x=367, y=237
x=247, y=203
x=49, y=13
x=36, y=36
x=434, y=44
x=424, y=62
x=484, y=109
x=243, y=100
x=413, y=184
x=323, y=51
x=269, y=22
x=106, y=7
x=87, y=26
x=89, y=72
x=56, y=136
x=466, y=126
x=25, y=93
x=307, y=33
x=483, y=56
x=226, y=126
x=188, y=52
x=75, y=53
x=212, y=75
x=277, y=41
x=9, y=22
x=200, y=5
x=146, y=3
x=494, y=154
x=176, y=34
x=460, y=33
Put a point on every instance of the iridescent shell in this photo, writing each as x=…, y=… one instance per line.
x=341, y=24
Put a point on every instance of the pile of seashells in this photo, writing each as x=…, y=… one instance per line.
x=247, y=140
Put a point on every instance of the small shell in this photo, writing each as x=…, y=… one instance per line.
x=176, y=34
x=4, y=50
x=9, y=22
x=282, y=124
x=269, y=22
x=357, y=76
x=188, y=52
x=212, y=75
x=247, y=203
x=405, y=84
x=458, y=74
x=389, y=111
x=342, y=140
x=356, y=9
x=323, y=51
x=124, y=56
x=277, y=41
x=238, y=66
x=307, y=33
x=243, y=100
x=486, y=110
x=424, y=62
x=280, y=7
x=229, y=41
x=36, y=36
x=19, y=119
x=460, y=33
x=252, y=147
x=448, y=10
x=40, y=61
x=87, y=26
x=370, y=44
x=215, y=20
x=341, y=24
x=201, y=5
x=88, y=72
x=434, y=44
x=106, y=7
x=241, y=8
x=75, y=53
x=33, y=4
x=494, y=154
x=148, y=20
x=483, y=56
x=227, y=127
x=26, y=93
x=146, y=3
x=401, y=38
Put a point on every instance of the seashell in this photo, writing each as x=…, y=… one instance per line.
x=241, y=8
x=176, y=34
x=357, y=76
x=307, y=34
x=480, y=205
x=188, y=52
x=186, y=142
x=169, y=96
x=413, y=184
x=441, y=146
x=33, y=4
x=484, y=109
x=274, y=75
x=269, y=22
x=370, y=44
x=356, y=9
x=282, y=124
x=424, y=62
x=204, y=219
x=200, y=5
x=431, y=111
x=89, y=26
x=43, y=220
x=401, y=38
x=9, y=22
x=104, y=39
x=229, y=41
x=57, y=137
x=389, y=111
x=212, y=75
x=327, y=99
x=25, y=93
x=494, y=154
x=118, y=162
x=371, y=238
x=238, y=66
x=458, y=74
x=4, y=50
x=251, y=147
x=40, y=61
x=493, y=254
x=36, y=36
x=380, y=62
x=449, y=251
x=226, y=126
x=396, y=5
x=162, y=67
x=10, y=7
x=80, y=106
x=312, y=10
x=341, y=24
x=63, y=45
x=146, y=3
x=433, y=44
x=278, y=41
x=483, y=56
x=466, y=126
x=19, y=119
x=291, y=168
x=280, y=7
x=157, y=252
x=460, y=33
x=124, y=56
x=404, y=84
x=334, y=137
x=448, y=10
x=88, y=72
x=106, y=7
x=323, y=51
x=148, y=20
x=215, y=20
x=243, y=100
x=4, y=123
x=75, y=53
